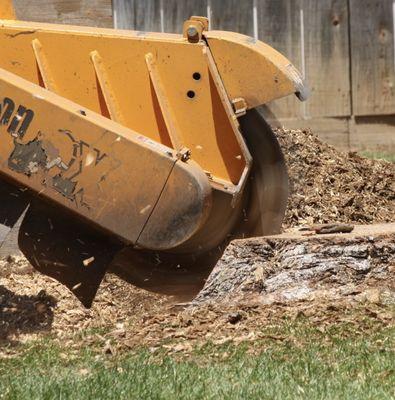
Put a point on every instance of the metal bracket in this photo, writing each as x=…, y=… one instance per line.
x=193, y=28
x=238, y=189
x=170, y=121
x=184, y=154
x=239, y=106
x=108, y=94
x=43, y=66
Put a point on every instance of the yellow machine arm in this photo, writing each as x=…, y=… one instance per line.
x=150, y=137
x=181, y=94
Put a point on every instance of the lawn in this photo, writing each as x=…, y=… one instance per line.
x=379, y=155
x=296, y=361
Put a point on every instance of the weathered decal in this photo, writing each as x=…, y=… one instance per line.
x=61, y=161
x=28, y=158
x=17, y=123
x=40, y=155
x=66, y=182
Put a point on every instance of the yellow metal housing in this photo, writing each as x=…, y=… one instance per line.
x=7, y=10
x=118, y=123
x=102, y=171
x=252, y=70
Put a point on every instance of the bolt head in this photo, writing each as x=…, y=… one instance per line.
x=192, y=33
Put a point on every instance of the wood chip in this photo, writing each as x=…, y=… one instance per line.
x=88, y=261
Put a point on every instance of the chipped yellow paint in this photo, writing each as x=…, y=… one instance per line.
x=100, y=170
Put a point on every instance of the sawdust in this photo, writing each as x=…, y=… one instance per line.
x=32, y=303
x=242, y=321
x=327, y=185
x=124, y=317
x=14, y=265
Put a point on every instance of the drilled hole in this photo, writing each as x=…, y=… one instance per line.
x=191, y=94
x=196, y=76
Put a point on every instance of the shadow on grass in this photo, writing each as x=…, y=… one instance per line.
x=23, y=313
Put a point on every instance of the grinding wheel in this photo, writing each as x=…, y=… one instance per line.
x=259, y=212
x=59, y=245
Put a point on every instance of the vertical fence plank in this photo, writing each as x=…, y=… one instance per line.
x=327, y=57
x=372, y=51
x=279, y=26
x=137, y=15
x=232, y=15
x=176, y=12
x=74, y=12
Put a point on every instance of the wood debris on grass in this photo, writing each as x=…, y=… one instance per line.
x=124, y=317
x=327, y=187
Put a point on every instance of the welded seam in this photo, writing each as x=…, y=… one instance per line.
x=156, y=203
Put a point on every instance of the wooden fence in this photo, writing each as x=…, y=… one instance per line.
x=345, y=48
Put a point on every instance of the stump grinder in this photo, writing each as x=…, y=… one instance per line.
x=136, y=149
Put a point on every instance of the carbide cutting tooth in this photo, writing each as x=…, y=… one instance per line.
x=14, y=203
x=60, y=245
x=9, y=242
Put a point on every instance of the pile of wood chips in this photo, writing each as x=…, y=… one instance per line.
x=327, y=185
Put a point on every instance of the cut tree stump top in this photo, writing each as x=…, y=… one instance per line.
x=293, y=267
x=359, y=230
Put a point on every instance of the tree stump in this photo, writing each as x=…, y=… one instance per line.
x=298, y=266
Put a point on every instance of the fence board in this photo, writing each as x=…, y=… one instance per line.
x=372, y=51
x=176, y=12
x=279, y=26
x=327, y=57
x=73, y=12
x=138, y=15
x=232, y=15
x=325, y=39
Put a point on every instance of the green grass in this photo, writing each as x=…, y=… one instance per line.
x=340, y=363
x=379, y=155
